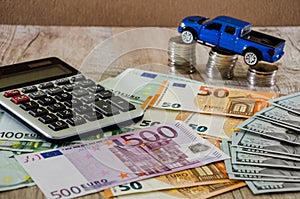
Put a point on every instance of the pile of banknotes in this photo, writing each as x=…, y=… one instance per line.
x=173, y=152
x=266, y=151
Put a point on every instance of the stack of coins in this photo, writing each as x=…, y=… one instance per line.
x=182, y=56
x=220, y=63
x=262, y=74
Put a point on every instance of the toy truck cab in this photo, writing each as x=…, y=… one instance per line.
x=233, y=35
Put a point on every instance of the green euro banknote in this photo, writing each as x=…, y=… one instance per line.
x=35, y=146
x=12, y=175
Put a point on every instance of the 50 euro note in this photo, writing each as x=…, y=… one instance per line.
x=93, y=166
x=137, y=85
x=199, y=192
x=208, y=99
x=204, y=124
x=205, y=175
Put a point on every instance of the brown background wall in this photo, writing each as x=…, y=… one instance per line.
x=145, y=12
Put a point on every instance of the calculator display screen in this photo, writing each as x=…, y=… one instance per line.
x=38, y=73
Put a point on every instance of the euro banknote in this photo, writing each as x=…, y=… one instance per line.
x=248, y=172
x=205, y=124
x=272, y=130
x=12, y=175
x=209, y=99
x=288, y=102
x=12, y=129
x=205, y=175
x=119, y=159
x=42, y=145
x=238, y=157
x=199, y=192
x=261, y=143
x=261, y=187
x=281, y=116
x=136, y=84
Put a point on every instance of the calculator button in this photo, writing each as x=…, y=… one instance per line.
x=121, y=104
x=38, y=112
x=58, y=125
x=29, y=105
x=46, y=85
x=63, y=97
x=77, y=120
x=80, y=92
x=62, y=81
x=96, y=89
x=77, y=78
x=37, y=94
x=11, y=93
x=67, y=113
x=86, y=83
x=92, y=116
x=54, y=91
x=46, y=119
x=46, y=101
x=90, y=98
x=73, y=103
x=56, y=107
x=83, y=109
x=105, y=108
x=105, y=94
x=29, y=89
x=70, y=87
x=20, y=99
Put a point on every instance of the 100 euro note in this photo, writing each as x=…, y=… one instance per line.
x=136, y=84
x=208, y=99
x=12, y=175
x=98, y=165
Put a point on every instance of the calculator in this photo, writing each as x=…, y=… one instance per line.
x=61, y=103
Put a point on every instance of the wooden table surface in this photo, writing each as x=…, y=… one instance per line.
x=103, y=52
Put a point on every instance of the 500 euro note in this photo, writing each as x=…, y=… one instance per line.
x=97, y=165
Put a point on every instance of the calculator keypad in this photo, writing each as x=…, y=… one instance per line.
x=68, y=101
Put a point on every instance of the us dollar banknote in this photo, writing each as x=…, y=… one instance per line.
x=260, y=187
x=239, y=157
x=280, y=116
x=289, y=102
x=247, y=172
x=271, y=130
x=255, y=141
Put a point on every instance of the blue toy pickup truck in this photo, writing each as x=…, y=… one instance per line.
x=233, y=35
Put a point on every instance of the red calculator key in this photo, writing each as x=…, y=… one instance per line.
x=20, y=99
x=11, y=93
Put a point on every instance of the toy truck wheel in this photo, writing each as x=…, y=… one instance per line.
x=251, y=58
x=187, y=36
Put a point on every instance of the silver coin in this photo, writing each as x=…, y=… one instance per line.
x=262, y=74
x=221, y=63
x=182, y=56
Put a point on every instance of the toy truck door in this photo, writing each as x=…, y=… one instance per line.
x=228, y=38
x=210, y=33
